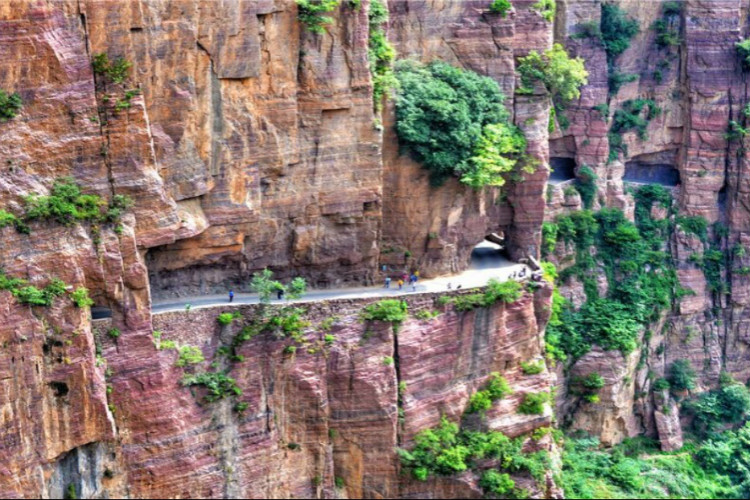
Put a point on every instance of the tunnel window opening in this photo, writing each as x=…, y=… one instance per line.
x=59, y=388
x=563, y=169
x=648, y=173
x=100, y=312
x=490, y=253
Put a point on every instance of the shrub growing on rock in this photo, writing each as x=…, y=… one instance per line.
x=311, y=13
x=681, y=375
x=500, y=7
x=453, y=121
x=533, y=403
x=10, y=105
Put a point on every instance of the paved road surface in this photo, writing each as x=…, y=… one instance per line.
x=487, y=263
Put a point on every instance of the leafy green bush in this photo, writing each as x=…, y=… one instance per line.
x=114, y=333
x=81, y=297
x=546, y=8
x=227, y=317
x=502, y=291
x=500, y=7
x=617, y=30
x=532, y=367
x=562, y=76
x=217, y=384
x=586, y=185
x=665, y=35
x=661, y=384
x=696, y=225
x=496, y=483
x=681, y=375
x=311, y=13
x=116, y=71
x=265, y=286
x=549, y=237
x=381, y=54
x=496, y=388
x=190, y=355
x=533, y=403
x=10, y=105
x=389, y=310
x=616, y=79
x=447, y=449
x=67, y=205
x=743, y=49
x=442, y=115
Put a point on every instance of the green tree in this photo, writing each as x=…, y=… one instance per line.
x=682, y=375
x=10, y=105
x=311, y=13
x=442, y=114
x=562, y=76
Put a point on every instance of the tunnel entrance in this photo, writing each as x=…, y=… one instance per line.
x=650, y=173
x=563, y=169
x=100, y=312
x=489, y=254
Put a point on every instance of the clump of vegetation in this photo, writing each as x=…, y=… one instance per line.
x=500, y=7
x=546, y=8
x=30, y=294
x=447, y=449
x=312, y=13
x=549, y=237
x=562, y=76
x=496, y=389
x=265, y=286
x=116, y=71
x=634, y=115
x=587, y=386
x=696, y=225
x=681, y=376
x=586, y=185
x=743, y=50
x=67, y=205
x=10, y=105
x=454, y=123
x=228, y=317
x=80, y=296
x=505, y=291
x=637, y=469
x=617, y=29
x=617, y=79
x=381, y=54
x=217, y=384
x=532, y=367
x=190, y=355
x=534, y=403
x=114, y=333
x=389, y=310
x=640, y=273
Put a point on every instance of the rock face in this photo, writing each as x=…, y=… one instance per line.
x=330, y=410
x=700, y=87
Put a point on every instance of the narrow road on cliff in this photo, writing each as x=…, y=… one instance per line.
x=487, y=262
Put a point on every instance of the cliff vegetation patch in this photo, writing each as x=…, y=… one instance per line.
x=10, y=105
x=454, y=123
x=312, y=14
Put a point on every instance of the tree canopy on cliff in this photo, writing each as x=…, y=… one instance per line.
x=454, y=122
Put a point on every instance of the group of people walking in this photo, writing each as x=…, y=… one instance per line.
x=402, y=280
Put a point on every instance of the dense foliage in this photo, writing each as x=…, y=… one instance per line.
x=617, y=29
x=116, y=71
x=448, y=449
x=640, y=274
x=562, y=76
x=637, y=469
x=381, y=53
x=265, y=286
x=500, y=7
x=453, y=121
x=634, y=115
x=312, y=13
x=10, y=105
x=389, y=310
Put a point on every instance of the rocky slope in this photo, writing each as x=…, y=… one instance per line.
x=249, y=143
x=700, y=85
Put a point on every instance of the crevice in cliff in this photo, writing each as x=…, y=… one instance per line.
x=399, y=388
x=217, y=115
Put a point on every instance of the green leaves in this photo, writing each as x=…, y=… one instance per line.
x=10, y=105
x=442, y=114
x=562, y=76
x=311, y=13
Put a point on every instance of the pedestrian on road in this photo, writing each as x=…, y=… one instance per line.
x=450, y=287
x=416, y=273
x=280, y=293
x=400, y=284
x=231, y=296
x=387, y=281
x=385, y=268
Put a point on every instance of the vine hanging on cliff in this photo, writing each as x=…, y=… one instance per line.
x=380, y=53
x=311, y=13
